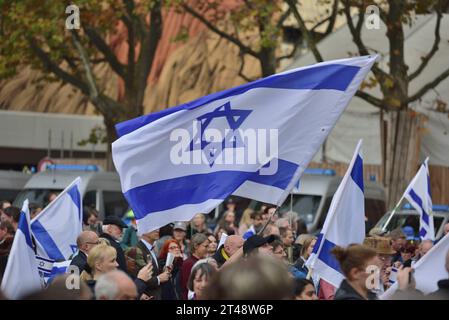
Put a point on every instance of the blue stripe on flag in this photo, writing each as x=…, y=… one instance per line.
x=47, y=242
x=317, y=243
x=75, y=195
x=331, y=76
x=198, y=188
x=327, y=257
x=428, y=187
x=23, y=226
x=417, y=199
x=422, y=232
x=58, y=270
x=357, y=172
x=45, y=271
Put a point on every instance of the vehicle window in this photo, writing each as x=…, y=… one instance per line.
x=437, y=222
x=9, y=195
x=326, y=207
x=402, y=220
x=114, y=203
x=374, y=209
x=90, y=199
x=38, y=196
x=305, y=205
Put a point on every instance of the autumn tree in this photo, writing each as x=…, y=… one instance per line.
x=34, y=33
x=255, y=27
x=394, y=81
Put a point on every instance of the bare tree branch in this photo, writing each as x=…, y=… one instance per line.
x=305, y=32
x=372, y=100
x=319, y=24
x=284, y=16
x=355, y=31
x=93, y=90
x=356, y=36
x=104, y=48
x=104, y=104
x=333, y=18
x=429, y=86
x=147, y=53
x=242, y=64
x=131, y=40
x=56, y=70
x=432, y=52
x=223, y=34
x=288, y=56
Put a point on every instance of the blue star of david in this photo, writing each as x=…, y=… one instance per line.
x=234, y=118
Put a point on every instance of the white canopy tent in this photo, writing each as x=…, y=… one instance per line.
x=361, y=120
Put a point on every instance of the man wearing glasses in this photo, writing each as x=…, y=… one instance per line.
x=85, y=242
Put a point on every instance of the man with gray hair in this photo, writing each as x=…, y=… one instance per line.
x=115, y=285
x=230, y=246
x=282, y=223
x=423, y=248
x=113, y=231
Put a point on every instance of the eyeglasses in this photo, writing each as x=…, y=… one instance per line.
x=93, y=243
x=173, y=248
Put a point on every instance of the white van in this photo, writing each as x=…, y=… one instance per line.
x=99, y=189
x=312, y=199
x=11, y=183
x=408, y=216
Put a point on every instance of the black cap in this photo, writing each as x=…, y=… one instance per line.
x=256, y=241
x=114, y=220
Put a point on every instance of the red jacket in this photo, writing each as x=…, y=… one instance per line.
x=185, y=274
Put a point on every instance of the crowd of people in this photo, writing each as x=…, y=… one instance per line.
x=262, y=256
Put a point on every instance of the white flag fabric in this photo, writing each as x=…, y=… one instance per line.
x=344, y=224
x=21, y=274
x=428, y=270
x=56, y=228
x=419, y=195
x=253, y=141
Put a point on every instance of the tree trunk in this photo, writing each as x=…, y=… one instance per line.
x=267, y=62
x=111, y=136
x=403, y=142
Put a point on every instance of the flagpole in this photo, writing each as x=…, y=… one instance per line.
x=269, y=220
x=393, y=212
x=309, y=274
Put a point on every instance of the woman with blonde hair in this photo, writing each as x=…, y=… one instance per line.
x=246, y=221
x=101, y=259
x=306, y=251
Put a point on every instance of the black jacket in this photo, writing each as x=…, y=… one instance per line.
x=443, y=291
x=171, y=290
x=80, y=260
x=153, y=287
x=347, y=292
x=120, y=254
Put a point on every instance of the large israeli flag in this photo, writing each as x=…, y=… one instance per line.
x=419, y=196
x=254, y=141
x=56, y=228
x=344, y=224
x=21, y=274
